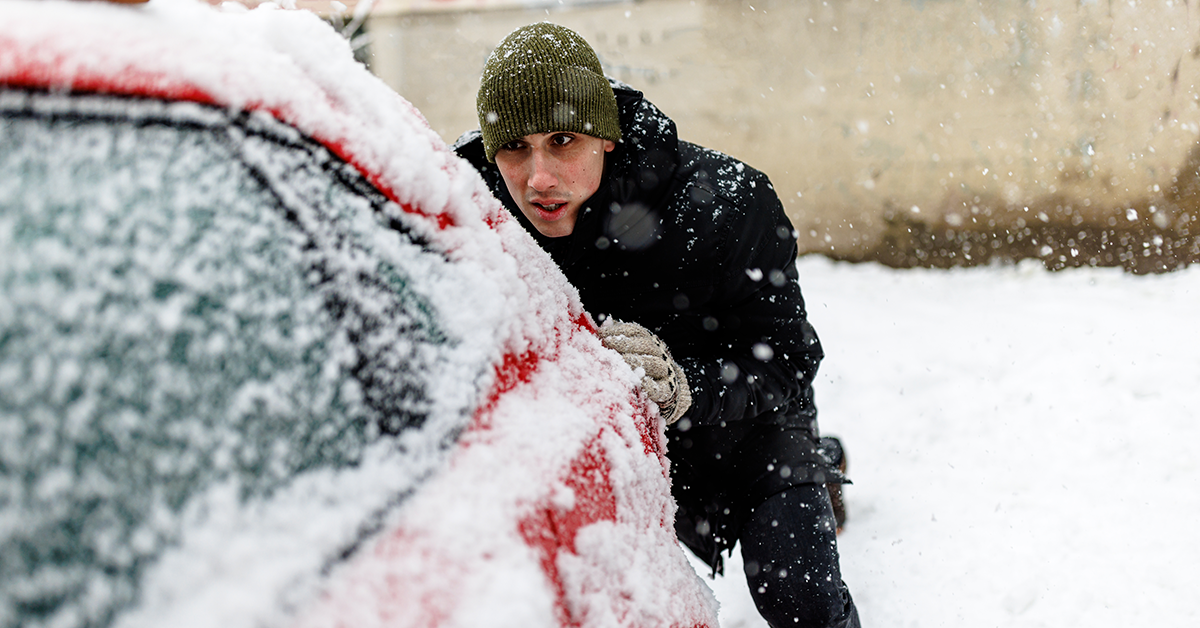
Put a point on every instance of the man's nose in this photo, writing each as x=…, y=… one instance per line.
x=543, y=175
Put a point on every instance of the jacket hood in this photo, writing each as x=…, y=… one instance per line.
x=645, y=160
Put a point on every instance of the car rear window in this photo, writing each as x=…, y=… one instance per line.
x=208, y=331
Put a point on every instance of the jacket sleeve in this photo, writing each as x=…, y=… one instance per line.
x=756, y=355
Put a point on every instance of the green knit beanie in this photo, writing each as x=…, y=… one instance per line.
x=544, y=78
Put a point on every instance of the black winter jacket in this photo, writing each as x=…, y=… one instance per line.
x=695, y=246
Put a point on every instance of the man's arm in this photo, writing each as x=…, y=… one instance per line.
x=762, y=352
x=769, y=361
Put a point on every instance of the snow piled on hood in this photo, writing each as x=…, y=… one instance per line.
x=455, y=555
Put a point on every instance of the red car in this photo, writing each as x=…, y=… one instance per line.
x=270, y=354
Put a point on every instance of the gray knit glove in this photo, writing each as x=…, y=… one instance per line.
x=663, y=380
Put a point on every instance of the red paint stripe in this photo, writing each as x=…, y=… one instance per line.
x=550, y=530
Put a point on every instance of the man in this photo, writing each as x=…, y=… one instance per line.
x=691, y=249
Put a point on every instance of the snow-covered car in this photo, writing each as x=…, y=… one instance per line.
x=271, y=355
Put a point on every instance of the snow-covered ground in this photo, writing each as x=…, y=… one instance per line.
x=1023, y=445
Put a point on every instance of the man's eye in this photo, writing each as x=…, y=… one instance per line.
x=562, y=139
x=513, y=145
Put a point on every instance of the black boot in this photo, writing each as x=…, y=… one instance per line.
x=831, y=448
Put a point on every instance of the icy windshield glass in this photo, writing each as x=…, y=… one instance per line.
x=209, y=339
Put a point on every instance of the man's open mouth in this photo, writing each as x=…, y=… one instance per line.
x=549, y=208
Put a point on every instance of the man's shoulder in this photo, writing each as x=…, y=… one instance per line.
x=724, y=201
x=727, y=179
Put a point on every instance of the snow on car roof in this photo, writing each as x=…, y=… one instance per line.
x=288, y=63
x=293, y=66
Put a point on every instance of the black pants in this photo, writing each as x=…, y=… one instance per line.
x=789, y=549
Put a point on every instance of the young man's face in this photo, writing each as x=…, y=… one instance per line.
x=551, y=175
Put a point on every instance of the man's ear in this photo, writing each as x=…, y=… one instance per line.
x=609, y=145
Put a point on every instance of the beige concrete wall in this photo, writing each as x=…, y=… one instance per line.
x=946, y=111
